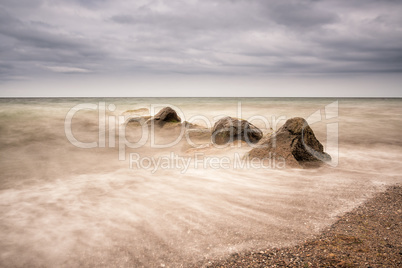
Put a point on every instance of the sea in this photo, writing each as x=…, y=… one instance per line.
x=81, y=187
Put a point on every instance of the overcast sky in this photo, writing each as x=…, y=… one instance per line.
x=200, y=48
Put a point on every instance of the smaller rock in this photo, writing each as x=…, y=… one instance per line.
x=229, y=129
x=166, y=115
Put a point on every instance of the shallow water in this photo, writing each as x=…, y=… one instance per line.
x=61, y=205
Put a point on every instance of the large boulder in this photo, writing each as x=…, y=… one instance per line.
x=295, y=142
x=229, y=129
x=166, y=115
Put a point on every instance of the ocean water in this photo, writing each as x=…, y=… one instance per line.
x=114, y=204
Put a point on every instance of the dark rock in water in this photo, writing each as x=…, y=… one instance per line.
x=229, y=129
x=166, y=115
x=296, y=143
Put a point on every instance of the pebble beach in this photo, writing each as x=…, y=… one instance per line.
x=368, y=236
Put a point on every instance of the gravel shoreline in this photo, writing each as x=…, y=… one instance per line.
x=368, y=236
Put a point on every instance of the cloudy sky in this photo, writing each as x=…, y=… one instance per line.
x=200, y=48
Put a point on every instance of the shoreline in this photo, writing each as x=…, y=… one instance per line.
x=368, y=236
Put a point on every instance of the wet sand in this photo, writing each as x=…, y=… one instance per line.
x=368, y=236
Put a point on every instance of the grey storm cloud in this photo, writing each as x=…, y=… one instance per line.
x=230, y=37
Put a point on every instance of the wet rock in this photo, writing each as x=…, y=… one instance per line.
x=229, y=129
x=296, y=143
x=166, y=115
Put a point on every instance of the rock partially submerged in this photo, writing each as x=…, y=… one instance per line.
x=166, y=115
x=229, y=129
x=295, y=142
x=166, y=118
